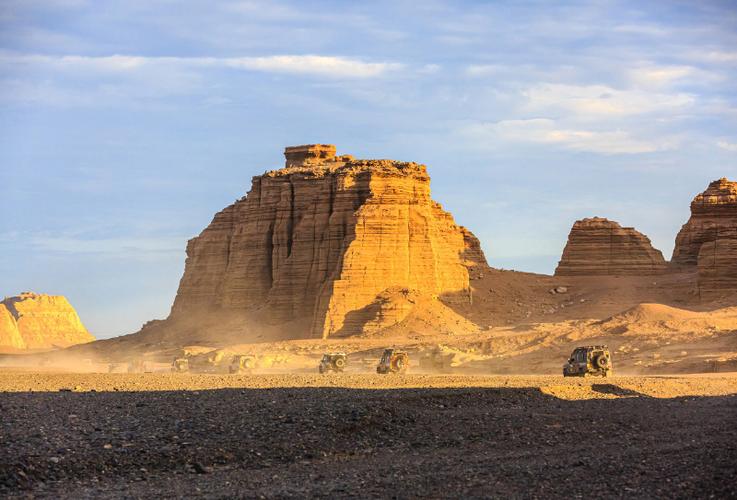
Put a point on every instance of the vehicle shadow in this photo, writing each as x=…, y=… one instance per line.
x=617, y=391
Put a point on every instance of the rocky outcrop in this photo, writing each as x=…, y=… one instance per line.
x=315, y=244
x=717, y=268
x=709, y=240
x=39, y=321
x=598, y=246
x=713, y=217
x=10, y=337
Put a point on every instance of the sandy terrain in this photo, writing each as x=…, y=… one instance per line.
x=140, y=435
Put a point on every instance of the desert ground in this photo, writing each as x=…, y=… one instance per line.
x=495, y=419
x=286, y=436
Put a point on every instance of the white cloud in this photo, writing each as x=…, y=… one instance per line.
x=313, y=65
x=316, y=65
x=597, y=101
x=546, y=131
x=729, y=146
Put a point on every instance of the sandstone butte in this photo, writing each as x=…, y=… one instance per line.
x=598, y=246
x=325, y=245
x=709, y=239
x=39, y=321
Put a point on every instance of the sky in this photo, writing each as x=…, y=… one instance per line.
x=126, y=125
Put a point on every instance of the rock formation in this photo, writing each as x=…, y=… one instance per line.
x=713, y=216
x=717, y=268
x=598, y=246
x=38, y=321
x=709, y=239
x=9, y=334
x=316, y=244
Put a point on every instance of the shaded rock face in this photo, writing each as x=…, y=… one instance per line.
x=713, y=216
x=39, y=321
x=598, y=246
x=717, y=268
x=316, y=243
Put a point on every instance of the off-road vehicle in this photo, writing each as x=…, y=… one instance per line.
x=393, y=361
x=589, y=360
x=334, y=361
x=180, y=365
x=241, y=363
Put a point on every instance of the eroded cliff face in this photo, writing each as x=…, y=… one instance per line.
x=717, y=268
x=39, y=321
x=598, y=246
x=709, y=240
x=316, y=243
x=713, y=216
x=9, y=335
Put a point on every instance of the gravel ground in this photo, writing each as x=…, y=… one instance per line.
x=427, y=436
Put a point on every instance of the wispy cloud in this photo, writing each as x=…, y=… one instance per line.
x=144, y=247
x=595, y=101
x=316, y=65
x=547, y=132
x=728, y=146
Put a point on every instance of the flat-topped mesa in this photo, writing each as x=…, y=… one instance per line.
x=598, y=246
x=713, y=217
x=39, y=321
x=316, y=243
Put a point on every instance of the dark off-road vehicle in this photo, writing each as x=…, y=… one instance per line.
x=393, y=361
x=336, y=362
x=241, y=363
x=589, y=360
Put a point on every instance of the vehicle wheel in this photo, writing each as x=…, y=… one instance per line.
x=602, y=362
x=321, y=369
x=398, y=364
x=340, y=363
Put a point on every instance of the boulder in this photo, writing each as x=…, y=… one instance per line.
x=598, y=246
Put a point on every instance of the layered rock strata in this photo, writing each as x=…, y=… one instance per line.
x=39, y=321
x=709, y=239
x=713, y=216
x=316, y=244
x=598, y=246
x=717, y=268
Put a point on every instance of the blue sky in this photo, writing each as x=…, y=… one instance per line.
x=124, y=126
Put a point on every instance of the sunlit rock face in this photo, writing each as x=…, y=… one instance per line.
x=39, y=321
x=598, y=246
x=317, y=242
x=713, y=217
